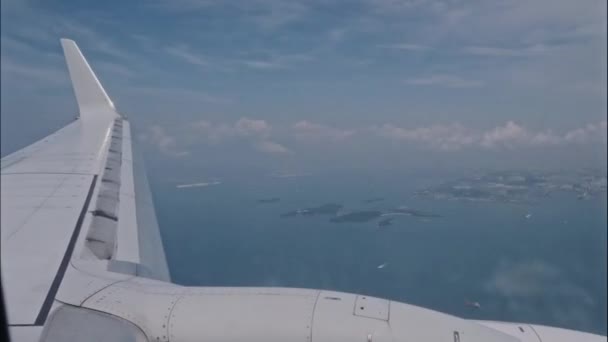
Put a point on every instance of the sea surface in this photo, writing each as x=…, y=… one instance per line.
x=547, y=268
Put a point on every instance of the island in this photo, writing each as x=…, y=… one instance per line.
x=357, y=216
x=324, y=209
x=519, y=186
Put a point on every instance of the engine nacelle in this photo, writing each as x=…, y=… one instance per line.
x=142, y=309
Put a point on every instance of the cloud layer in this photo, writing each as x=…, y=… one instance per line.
x=302, y=64
x=252, y=133
x=510, y=135
x=263, y=136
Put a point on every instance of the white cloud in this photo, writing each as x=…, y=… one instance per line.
x=448, y=81
x=510, y=135
x=506, y=135
x=245, y=131
x=165, y=143
x=244, y=128
x=442, y=137
x=589, y=133
x=252, y=132
x=271, y=147
x=213, y=133
x=252, y=127
x=316, y=133
x=159, y=137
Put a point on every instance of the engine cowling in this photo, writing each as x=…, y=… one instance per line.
x=166, y=312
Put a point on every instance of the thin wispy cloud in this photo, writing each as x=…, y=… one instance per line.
x=405, y=47
x=517, y=284
x=262, y=65
x=34, y=76
x=99, y=42
x=17, y=45
x=337, y=34
x=267, y=15
x=170, y=93
x=275, y=61
x=116, y=70
x=268, y=60
x=187, y=55
x=493, y=51
x=273, y=14
x=271, y=61
x=442, y=80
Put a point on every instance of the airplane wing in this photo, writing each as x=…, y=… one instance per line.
x=82, y=258
x=83, y=185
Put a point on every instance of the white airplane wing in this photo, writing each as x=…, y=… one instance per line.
x=83, y=185
x=82, y=258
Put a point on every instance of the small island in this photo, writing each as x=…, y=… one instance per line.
x=324, y=209
x=357, y=216
x=385, y=222
x=412, y=212
x=519, y=186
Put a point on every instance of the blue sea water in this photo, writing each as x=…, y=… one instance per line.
x=547, y=269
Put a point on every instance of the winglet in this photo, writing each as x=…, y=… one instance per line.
x=90, y=94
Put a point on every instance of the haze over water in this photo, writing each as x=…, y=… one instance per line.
x=549, y=268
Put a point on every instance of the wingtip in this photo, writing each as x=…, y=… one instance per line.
x=87, y=88
x=66, y=40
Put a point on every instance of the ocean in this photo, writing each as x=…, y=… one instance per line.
x=542, y=262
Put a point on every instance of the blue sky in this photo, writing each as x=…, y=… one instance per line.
x=295, y=85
